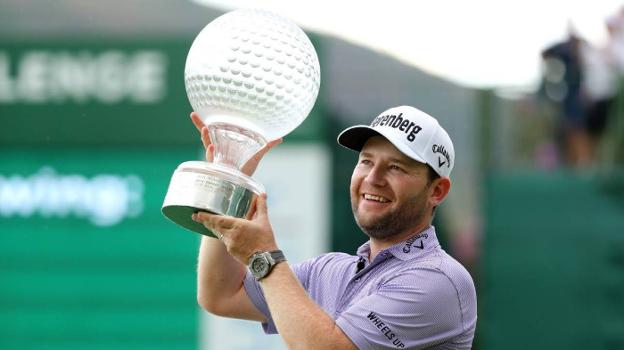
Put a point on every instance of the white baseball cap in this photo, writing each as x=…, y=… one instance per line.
x=414, y=132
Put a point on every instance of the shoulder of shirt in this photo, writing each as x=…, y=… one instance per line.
x=329, y=257
x=440, y=262
x=334, y=256
x=333, y=261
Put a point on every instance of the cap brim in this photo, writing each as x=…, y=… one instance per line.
x=356, y=136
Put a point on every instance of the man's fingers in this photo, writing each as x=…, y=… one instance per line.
x=210, y=153
x=250, y=167
x=268, y=147
x=274, y=143
x=205, y=137
x=219, y=223
x=252, y=208
x=261, y=205
x=204, y=134
x=265, y=149
x=197, y=121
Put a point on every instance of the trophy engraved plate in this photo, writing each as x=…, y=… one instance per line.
x=252, y=76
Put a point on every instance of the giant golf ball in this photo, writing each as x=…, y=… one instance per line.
x=255, y=70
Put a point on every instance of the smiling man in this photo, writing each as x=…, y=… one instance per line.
x=400, y=291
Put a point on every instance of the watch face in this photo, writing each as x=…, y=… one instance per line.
x=259, y=267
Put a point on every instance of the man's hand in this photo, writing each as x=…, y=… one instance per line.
x=242, y=237
x=248, y=168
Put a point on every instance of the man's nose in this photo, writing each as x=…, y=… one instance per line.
x=376, y=176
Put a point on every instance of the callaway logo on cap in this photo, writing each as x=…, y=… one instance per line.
x=415, y=133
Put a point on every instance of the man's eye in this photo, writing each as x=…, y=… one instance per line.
x=396, y=167
x=365, y=161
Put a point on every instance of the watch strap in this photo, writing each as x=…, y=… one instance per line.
x=277, y=256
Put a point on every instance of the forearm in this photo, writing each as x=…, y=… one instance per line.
x=301, y=322
x=219, y=275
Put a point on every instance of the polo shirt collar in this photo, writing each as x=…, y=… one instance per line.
x=413, y=247
x=416, y=246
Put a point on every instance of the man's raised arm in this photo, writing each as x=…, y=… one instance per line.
x=219, y=276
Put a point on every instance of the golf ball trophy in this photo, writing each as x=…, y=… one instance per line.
x=252, y=76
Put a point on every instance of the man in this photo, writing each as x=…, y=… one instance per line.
x=401, y=291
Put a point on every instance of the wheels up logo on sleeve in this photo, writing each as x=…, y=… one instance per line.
x=385, y=330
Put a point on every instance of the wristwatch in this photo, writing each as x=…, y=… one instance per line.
x=261, y=264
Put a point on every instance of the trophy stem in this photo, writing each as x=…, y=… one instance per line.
x=234, y=146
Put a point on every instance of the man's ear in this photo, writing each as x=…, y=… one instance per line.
x=440, y=189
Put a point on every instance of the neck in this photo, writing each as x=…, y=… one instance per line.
x=377, y=245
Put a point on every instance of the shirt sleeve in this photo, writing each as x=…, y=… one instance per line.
x=255, y=293
x=415, y=309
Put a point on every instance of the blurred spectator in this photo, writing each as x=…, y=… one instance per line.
x=562, y=84
x=615, y=46
x=612, y=146
x=600, y=83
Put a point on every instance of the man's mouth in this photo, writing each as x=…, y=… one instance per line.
x=375, y=198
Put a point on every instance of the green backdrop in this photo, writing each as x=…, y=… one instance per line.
x=70, y=279
x=554, y=263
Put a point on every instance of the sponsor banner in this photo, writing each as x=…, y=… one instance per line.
x=92, y=188
x=100, y=93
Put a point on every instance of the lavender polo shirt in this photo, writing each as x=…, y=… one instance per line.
x=411, y=296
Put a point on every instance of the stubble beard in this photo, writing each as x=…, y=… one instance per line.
x=397, y=221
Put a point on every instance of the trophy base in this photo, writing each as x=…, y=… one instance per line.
x=201, y=186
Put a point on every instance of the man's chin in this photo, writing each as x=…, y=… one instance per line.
x=377, y=232
x=375, y=228
x=369, y=222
